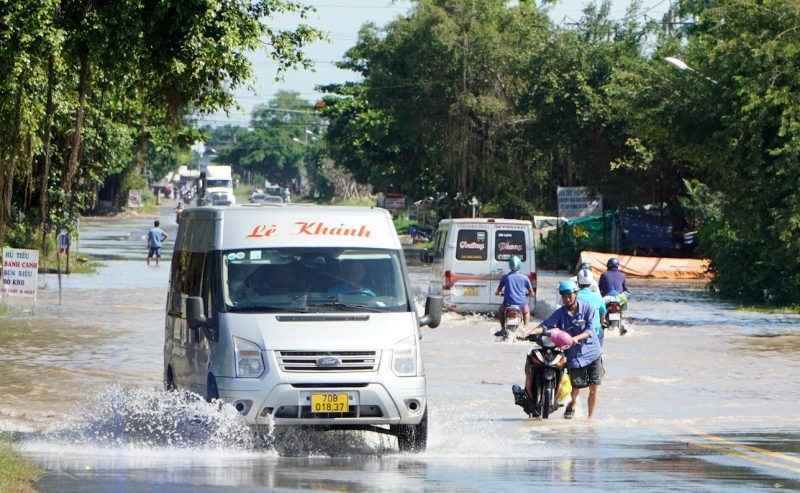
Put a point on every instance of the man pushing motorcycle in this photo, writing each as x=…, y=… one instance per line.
x=584, y=357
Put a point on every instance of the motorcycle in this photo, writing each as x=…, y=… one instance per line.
x=548, y=360
x=614, y=305
x=513, y=319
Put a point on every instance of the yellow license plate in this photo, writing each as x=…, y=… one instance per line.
x=329, y=403
x=471, y=290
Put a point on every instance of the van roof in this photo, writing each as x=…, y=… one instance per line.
x=484, y=220
x=267, y=225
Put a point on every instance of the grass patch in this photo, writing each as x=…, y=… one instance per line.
x=775, y=310
x=14, y=329
x=16, y=473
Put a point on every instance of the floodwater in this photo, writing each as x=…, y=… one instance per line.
x=697, y=397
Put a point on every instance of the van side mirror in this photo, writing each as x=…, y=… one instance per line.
x=194, y=312
x=433, y=312
x=424, y=256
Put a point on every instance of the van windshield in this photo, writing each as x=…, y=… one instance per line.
x=314, y=280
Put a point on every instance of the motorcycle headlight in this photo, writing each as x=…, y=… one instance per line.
x=248, y=358
x=404, y=358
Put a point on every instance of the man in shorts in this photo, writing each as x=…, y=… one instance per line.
x=584, y=357
x=155, y=237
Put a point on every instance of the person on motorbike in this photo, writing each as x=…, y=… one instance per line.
x=586, y=294
x=612, y=279
x=584, y=357
x=586, y=266
x=515, y=288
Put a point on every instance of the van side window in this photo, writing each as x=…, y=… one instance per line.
x=193, y=274
x=438, y=244
x=471, y=244
x=208, y=289
x=508, y=243
x=180, y=259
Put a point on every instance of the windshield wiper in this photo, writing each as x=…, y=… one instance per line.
x=339, y=304
x=247, y=308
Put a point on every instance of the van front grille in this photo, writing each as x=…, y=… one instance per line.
x=309, y=361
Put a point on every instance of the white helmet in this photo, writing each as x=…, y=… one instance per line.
x=585, y=277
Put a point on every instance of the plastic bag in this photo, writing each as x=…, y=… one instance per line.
x=566, y=387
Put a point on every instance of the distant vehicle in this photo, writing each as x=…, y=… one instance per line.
x=470, y=256
x=261, y=198
x=215, y=184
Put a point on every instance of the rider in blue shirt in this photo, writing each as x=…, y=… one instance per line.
x=586, y=294
x=612, y=279
x=584, y=357
x=515, y=288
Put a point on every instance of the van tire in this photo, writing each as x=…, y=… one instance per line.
x=169, y=380
x=211, y=388
x=413, y=438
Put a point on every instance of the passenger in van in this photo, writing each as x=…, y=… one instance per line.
x=515, y=288
x=353, y=276
x=271, y=280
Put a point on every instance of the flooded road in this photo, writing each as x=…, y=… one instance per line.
x=697, y=397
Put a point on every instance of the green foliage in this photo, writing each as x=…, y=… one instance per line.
x=97, y=91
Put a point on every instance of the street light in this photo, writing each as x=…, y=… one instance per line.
x=681, y=65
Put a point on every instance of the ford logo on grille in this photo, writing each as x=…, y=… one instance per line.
x=328, y=361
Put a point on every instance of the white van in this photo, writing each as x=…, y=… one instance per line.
x=471, y=255
x=298, y=315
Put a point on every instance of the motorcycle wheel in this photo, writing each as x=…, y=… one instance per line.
x=544, y=409
x=613, y=325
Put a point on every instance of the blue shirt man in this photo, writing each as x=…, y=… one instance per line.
x=612, y=279
x=584, y=357
x=155, y=238
x=515, y=288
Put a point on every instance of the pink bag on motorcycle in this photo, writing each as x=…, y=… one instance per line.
x=560, y=338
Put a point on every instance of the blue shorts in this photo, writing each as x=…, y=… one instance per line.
x=154, y=250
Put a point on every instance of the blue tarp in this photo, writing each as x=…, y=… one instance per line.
x=645, y=229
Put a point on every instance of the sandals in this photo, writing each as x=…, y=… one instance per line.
x=569, y=412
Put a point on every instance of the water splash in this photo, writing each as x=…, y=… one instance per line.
x=119, y=416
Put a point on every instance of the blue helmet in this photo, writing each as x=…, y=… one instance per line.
x=568, y=286
x=612, y=263
x=514, y=263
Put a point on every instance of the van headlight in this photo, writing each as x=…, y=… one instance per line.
x=248, y=358
x=404, y=358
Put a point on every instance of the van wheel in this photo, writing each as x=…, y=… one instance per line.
x=211, y=388
x=413, y=438
x=169, y=381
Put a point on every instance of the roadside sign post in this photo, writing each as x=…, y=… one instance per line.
x=20, y=273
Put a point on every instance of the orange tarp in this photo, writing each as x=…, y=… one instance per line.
x=665, y=268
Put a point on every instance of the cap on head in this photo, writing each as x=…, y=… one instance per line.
x=514, y=263
x=585, y=277
x=568, y=286
x=612, y=263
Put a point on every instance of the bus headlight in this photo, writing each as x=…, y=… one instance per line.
x=404, y=358
x=248, y=358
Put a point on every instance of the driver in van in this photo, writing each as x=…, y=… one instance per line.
x=515, y=288
x=353, y=276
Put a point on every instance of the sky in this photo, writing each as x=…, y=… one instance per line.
x=342, y=19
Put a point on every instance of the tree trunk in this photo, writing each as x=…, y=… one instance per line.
x=48, y=123
x=74, y=157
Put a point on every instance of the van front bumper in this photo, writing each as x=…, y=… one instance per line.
x=290, y=403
